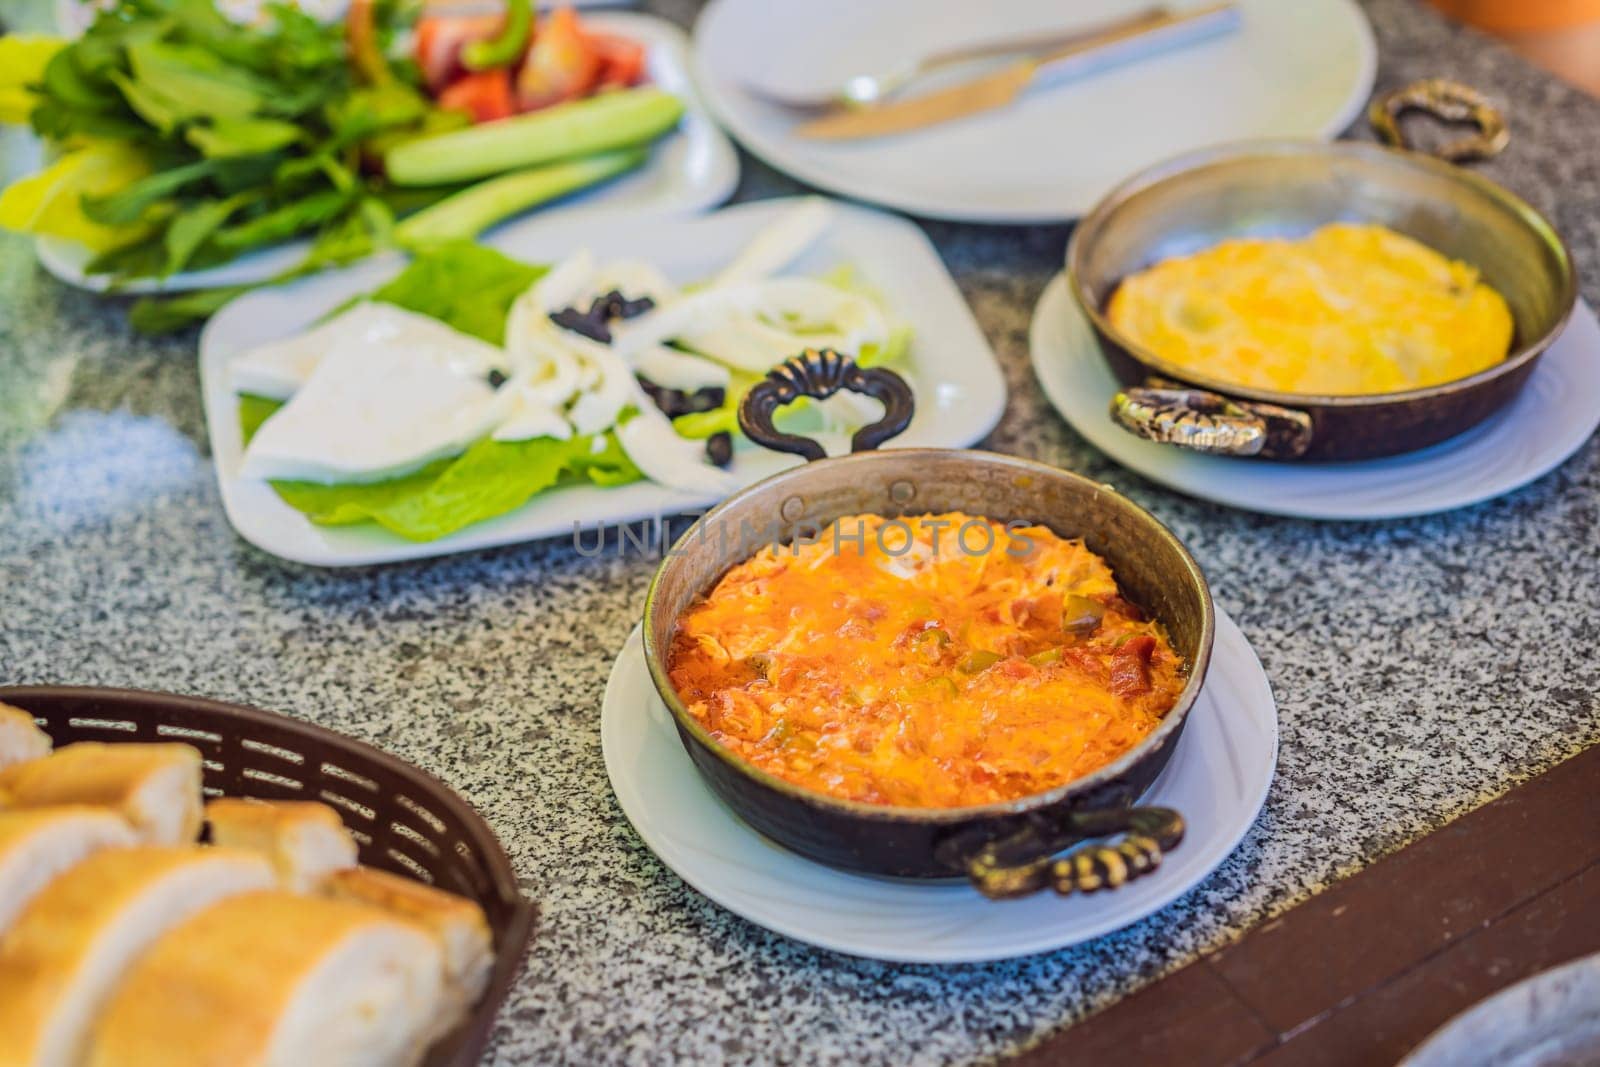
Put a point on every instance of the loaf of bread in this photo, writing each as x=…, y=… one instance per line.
x=275, y=979
x=457, y=923
x=20, y=737
x=304, y=840
x=156, y=787
x=72, y=944
x=38, y=844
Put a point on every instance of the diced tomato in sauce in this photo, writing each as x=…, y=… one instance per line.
x=1130, y=666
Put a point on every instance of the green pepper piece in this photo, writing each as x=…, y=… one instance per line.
x=505, y=47
x=979, y=660
x=1048, y=656
x=1080, y=616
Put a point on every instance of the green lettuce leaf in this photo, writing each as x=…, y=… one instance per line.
x=228, y=137
x=490, y=478
x=898, y=345
x=253, y=411
x=463, y=284
x=193, y=226
x=893, y=350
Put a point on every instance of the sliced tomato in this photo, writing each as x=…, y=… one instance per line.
x=560, y=65
x=485, y=95
x=440, y=39
x=621, y=60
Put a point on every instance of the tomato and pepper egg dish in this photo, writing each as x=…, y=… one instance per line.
x=936, y=661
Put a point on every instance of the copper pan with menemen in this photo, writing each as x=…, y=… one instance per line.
x=931, y=663
x=1293, y=300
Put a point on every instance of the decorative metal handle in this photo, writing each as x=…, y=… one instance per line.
x=819, y=374
x=1451, y=102
x=1203, y=421
x=1026, y=862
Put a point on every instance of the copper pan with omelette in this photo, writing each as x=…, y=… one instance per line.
x=1309, y=301
x=931, y=663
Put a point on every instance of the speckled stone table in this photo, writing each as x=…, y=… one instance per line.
x=1421, y=667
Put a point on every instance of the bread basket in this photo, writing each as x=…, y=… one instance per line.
x=405, y=820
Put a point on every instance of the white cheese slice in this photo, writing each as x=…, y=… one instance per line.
x=671, y=369
x=634, y=279
x=278, y=368
x=370, y=412
x=527, y=417
x=565, y=283
x=754, y=325
x=614, y=388
x=664, y=457
x=779, y=244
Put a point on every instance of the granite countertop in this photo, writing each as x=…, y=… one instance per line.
x=1421, y=666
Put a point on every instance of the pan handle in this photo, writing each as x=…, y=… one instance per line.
x=1027, y=861
x=819, y=373
x=1450, y=102
x=1203, y=421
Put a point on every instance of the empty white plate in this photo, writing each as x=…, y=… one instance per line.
x=960, y=392
x=688, y=171
x=1555, y=413
x=1300, y=69
x=1549, y=1020
x=1217, y=778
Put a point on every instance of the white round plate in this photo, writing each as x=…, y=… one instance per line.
x=1300, y=69
x=1217, y=778
x=1555, y=413
x=1550, y=1019
x=688, y=171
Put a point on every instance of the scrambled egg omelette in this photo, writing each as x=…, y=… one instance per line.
x=933, y=661
x=1348, y=310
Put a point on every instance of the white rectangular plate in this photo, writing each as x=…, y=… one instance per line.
x=960, y=392
x=688, y=171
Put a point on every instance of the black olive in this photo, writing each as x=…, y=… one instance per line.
x=672, y=403
x=496, y=379
x=705, y=400
x=614, y=305
x=627, y=309
x=576, y=321
x=719, y=448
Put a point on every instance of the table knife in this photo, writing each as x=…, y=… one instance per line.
x=1081, y=59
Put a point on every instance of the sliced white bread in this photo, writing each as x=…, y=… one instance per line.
x=304, y=840
x=274, y=979
x=156, y=787
x=458, y=923
x=71, y=946
x=20, y=737
x=38, y=844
